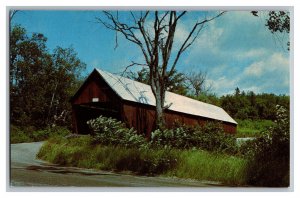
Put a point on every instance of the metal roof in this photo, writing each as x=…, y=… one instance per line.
x=138, y=92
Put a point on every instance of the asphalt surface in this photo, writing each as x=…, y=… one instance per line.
x=26, y=170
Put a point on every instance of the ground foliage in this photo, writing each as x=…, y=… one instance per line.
x=80, y=151
x=210, y=137
x=109, y=131
x=32, y=134
x=252, y=128
x=269, y=155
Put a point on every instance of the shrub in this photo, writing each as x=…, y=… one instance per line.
x=109, y=131
x=209, y=137
x=269, y=155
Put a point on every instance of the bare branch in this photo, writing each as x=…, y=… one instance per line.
x=126, y=30
x=186, y=43
x=156, y=44
x=181, y=14
x=12, y=14
x=131, y=65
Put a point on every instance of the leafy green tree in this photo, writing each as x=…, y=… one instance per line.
x=40, y=83
x=65, y=74
x=28, y=58
x=249, y=105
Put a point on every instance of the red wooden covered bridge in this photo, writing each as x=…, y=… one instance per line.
x=133, y=102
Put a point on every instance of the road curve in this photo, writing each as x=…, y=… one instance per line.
x=26, y=170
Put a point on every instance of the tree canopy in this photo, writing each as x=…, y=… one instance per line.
x=41, y=82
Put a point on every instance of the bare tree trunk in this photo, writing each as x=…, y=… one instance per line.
x=159, y=116
x=156, y=47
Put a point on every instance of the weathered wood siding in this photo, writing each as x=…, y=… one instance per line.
x=142, y=118
x=84, y=109
x=95, y=87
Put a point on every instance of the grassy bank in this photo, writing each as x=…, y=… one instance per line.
x=31, y=134
x=252, y=128
x=194, y=164
x=203, y=165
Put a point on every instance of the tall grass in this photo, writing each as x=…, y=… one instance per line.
x=252, y=128
x=80, y=152
x=197, y=164
x=203, y=165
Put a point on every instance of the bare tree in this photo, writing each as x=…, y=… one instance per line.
x=197, y=81
x=153, y=33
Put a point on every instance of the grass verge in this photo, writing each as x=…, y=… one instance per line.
x=252, y=128
x=194, y=164
x=31, y=134
x=202, y=165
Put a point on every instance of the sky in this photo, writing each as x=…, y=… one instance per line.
x=235, y=50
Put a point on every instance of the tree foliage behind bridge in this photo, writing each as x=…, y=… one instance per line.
x=242, y=105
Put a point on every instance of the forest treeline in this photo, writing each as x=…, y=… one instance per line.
x=42, y=82
x=249, y=105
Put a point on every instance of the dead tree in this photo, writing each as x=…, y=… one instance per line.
x=197, y=81
x=153, y=33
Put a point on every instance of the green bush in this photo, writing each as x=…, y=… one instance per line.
x=209, y=137
x=269, y=155
x=109, y=131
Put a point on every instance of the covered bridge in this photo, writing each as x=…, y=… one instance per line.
x=133, y=102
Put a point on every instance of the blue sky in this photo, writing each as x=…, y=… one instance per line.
x=236, y=50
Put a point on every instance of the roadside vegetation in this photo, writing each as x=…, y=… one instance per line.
x=202, y=153
x=193, y=164
x=31, y=134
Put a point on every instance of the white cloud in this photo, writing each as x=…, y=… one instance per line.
x=252, y=53
x=255, y=69
x=255, y=89
x=223, y=85
x=274, y=63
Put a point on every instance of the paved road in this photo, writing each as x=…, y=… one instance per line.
x=26, y=170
